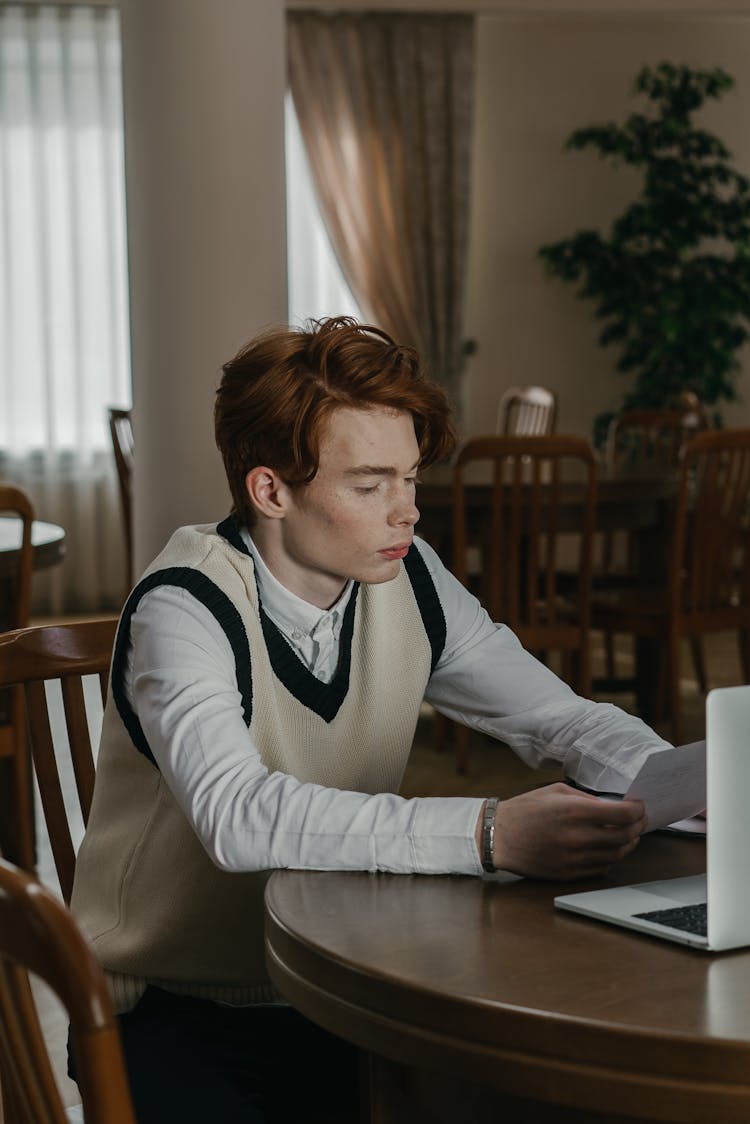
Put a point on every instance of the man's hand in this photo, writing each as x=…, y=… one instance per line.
x=558, y=832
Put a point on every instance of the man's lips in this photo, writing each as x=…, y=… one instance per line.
x=398, y=551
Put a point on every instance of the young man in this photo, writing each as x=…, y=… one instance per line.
x=266, y=684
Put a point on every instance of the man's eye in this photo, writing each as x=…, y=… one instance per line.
x=366, y=490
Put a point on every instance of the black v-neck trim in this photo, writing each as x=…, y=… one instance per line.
x=229, y=529
x=324, y=699
x=428, y=603
x=227, y=617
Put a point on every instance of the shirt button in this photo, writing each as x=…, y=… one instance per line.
x=297, y=635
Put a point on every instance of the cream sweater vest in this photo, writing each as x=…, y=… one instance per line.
x=154, y=905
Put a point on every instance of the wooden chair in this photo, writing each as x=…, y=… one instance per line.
x=522, y=541
x=30, y=658
x=708, y=583
x=121, y=432
x=39, y=935
x=16, y=794
x=528, y=410
x=645, y=440
x=654, y=438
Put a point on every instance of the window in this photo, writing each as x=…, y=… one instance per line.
x=64, y=354
x=63, y=287
x=317, y=286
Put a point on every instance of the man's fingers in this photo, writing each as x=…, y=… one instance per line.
x=590, y=863
x=616, y=811
x=610, y=838
x=607, y=842
x=598, y=809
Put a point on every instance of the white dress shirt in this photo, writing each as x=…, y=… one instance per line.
x=180, y=680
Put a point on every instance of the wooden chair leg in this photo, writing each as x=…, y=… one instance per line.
x=442, y=732
x=674, y=686
x=583, y=680
x=699, y=663
x=744, y=643
x=463, y=736
x=6, y=1106
x=452, y=735
x=609, y=655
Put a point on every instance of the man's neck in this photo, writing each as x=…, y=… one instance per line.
x=317, y=589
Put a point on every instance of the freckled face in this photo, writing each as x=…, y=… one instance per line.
x=356, y=517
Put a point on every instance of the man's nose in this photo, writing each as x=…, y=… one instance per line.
x=406, y=511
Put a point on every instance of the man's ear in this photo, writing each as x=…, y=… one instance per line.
x=268, y=493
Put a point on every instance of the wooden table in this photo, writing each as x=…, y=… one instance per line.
x=47, y=539
x=626, y=500
x=485, y=987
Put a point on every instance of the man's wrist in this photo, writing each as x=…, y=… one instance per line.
x=488, y=835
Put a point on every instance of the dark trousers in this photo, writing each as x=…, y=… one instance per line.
x=194, y=1061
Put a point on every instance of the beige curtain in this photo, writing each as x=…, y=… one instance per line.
x=385, y=105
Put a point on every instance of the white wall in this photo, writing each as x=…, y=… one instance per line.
x=204, y=85
x=538, y=79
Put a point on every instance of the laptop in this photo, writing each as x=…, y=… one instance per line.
x=709, y=911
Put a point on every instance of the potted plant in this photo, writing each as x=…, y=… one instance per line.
x=671, y=278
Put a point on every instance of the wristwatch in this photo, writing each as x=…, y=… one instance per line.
x=488, y=835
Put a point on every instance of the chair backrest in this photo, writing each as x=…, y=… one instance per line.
x=710, y=568
x=537, y=517
x=39, y=935
x=15, y=502
x=121, y=431
x=527, y=410
x=654, y=438
x=32, y=658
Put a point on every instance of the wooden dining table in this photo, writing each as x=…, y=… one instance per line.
x=47, y=540
x=627, y=500
x=48, y=549
x=475, y=1000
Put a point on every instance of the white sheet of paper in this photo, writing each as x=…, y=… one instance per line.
x=695, y=825
x=672, y=784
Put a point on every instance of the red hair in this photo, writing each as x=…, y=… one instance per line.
x=277, y=394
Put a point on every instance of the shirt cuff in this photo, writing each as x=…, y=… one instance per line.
x=444, y=836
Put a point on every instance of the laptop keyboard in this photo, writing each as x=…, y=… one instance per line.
x=688, y=918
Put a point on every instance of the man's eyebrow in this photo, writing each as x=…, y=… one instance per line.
x=377, y=470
